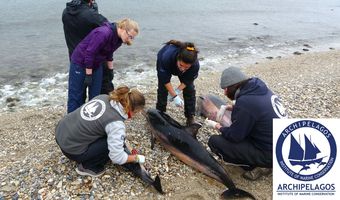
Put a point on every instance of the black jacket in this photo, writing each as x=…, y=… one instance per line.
x=79, y=19
x=167, y=66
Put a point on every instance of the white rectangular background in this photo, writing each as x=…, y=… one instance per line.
x=280, y=177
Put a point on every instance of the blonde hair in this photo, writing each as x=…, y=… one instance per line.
x=128, y=24
x=131, y=100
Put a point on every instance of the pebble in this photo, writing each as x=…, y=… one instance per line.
x=33, y=167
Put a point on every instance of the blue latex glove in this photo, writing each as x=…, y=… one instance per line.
x=210, y=123
x=178, y=92
x=178, y=101
x=140, y=159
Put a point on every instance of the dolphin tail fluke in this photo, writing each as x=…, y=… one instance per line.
x=236, y=193
x=157, y=185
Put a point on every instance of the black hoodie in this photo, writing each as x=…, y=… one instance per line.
x=79, y=19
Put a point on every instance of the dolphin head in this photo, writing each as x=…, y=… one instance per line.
x=154, y=116
x=158, y=117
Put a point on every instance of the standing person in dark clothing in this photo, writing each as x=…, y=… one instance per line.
x=96, y=48
x=179, y=59
x=79, y=18
x=249, y=139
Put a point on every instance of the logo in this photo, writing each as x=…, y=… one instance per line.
x=278, y=107
x=92, y=110
x=306, y=150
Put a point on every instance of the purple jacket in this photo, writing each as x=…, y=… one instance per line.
x=97, y=47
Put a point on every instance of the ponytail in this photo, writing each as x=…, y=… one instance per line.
x=187, y=51
x=131, y=100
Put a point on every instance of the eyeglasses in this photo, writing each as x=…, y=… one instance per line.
x=129, y=35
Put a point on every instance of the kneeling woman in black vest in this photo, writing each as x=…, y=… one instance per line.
x=95, y=133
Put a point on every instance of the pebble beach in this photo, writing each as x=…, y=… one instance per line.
x=33, y=167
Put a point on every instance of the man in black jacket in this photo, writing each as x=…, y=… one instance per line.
x=79, y=18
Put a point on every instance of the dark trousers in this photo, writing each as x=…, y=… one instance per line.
x=189, y=97
x=243, y=153
x=77, y=89
x=95, y=157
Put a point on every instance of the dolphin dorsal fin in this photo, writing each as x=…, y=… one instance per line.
x=193, y=129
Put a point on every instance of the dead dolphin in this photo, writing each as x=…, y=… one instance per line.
x=175, y=138
x=208, y=106
x=140, y=171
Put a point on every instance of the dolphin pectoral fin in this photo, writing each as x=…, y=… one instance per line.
x=152, y=140
x=236, y=193
x=157, y=185
x=193, y=129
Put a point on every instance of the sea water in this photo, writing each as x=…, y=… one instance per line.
x=33, y=53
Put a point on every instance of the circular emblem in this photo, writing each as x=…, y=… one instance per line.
x=278, y=107
x=92, y=110
x=306, y=150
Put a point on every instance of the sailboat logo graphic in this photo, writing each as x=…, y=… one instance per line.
x=304, y=157
x=92, y=110
x=306, y=150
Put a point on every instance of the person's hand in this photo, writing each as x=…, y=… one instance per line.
x=230, y=107
x=88, y=80
x=210, y=123
x=178, y=101
x=177, y=91
x=140, y=159
x=220, y=113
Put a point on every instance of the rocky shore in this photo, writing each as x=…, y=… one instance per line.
x=33, y=167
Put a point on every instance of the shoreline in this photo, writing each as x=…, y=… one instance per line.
x=32, y=165
x=52, y=90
